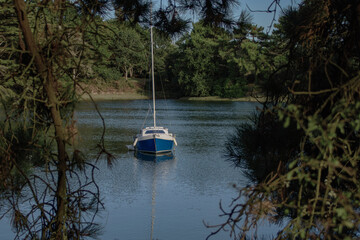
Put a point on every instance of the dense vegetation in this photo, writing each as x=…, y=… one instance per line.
x=208, y=60
x=301, y=152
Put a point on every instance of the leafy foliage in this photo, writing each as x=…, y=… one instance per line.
x=315, y=114
x=128, y=51
x=213, y=61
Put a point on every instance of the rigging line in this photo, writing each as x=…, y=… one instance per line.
x=139, y=110
x=147, y=114
x=163, y=91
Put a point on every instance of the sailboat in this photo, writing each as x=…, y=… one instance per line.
x=154, y=139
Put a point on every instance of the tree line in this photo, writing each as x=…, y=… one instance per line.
x=201, y=60
x=206, y=61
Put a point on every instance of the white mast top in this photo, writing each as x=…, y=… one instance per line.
x=152, y=65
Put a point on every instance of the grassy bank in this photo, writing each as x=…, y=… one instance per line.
x=133, y=89
x=114, y=96
x=121, y=89
x=136, y=96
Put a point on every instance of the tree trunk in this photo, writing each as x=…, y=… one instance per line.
x=126, y=74
x=131, y=74
x=46, y=74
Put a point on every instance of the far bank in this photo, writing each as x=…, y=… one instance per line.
x=137, y=96
x=135, y=89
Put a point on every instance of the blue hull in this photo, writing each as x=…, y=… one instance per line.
x=155, y=145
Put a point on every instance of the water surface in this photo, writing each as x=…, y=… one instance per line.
x=172, y=198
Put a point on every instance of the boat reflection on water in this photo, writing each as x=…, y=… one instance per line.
x=166, y=163
x=160, y=157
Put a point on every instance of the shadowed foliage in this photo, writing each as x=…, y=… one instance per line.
x=312, y=116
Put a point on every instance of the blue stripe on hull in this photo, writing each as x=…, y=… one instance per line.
x=155, y=145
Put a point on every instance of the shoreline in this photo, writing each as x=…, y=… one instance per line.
x=217, y=98
x=137, y=96
x=109, y=92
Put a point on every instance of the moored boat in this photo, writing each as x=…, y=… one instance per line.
x=154, y=139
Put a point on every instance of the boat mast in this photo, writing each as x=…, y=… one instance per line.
x=152, y=65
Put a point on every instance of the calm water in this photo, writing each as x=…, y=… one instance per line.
x=173, y=198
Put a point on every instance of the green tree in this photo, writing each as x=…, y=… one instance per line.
x=312, y=184
x=196, y=66
x=251, y=50
x=203, y=67
x=168, y=18
x=213, y=61
x=8, y=37
x=38, y=93
x=99, y=37
x=128, y=49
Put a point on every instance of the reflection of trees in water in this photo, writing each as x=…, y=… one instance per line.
x=30, y=195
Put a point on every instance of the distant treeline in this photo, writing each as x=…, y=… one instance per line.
x=205, y=61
